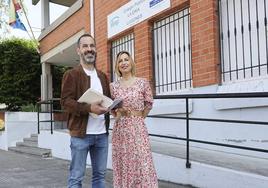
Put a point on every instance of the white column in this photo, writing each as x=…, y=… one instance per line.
x=44, y=14
x=46, y=82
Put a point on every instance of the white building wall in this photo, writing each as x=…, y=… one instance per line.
x=249, y=135
x=19, y=125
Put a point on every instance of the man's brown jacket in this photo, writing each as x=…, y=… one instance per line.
x=74, y=83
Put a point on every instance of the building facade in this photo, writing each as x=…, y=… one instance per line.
x=177, y=48
x=181, y=47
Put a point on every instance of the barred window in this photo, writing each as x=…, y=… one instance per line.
x=125, y=43
x=243, y=32
x=172, y=53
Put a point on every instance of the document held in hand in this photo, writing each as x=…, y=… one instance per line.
x=92, y=96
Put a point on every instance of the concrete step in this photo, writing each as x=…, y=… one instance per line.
x=34, y=135
x=44, y=153
x=27, y=144
x=31, y=139
x=209, y=167
x=30, y=146
x=233, y=161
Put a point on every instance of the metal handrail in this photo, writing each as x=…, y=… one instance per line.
x=207, y=96
x=187, y=118
x=50, y=103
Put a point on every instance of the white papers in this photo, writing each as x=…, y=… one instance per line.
x=91, y=96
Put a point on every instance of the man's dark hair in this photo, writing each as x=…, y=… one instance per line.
x=85, y=35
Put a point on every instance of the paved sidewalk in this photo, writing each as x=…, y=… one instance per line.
x=27, y=171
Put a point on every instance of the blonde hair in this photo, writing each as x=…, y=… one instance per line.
x=133, y=66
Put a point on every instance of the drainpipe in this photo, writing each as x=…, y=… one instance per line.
x=92, y=23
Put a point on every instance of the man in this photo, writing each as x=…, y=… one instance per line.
x=88, y=134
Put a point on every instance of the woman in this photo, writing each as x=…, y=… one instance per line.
x=131, y=154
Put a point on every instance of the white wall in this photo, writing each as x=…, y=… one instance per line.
x=18, y=125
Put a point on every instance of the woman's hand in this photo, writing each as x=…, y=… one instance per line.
x=145, y=112
x=119, y=112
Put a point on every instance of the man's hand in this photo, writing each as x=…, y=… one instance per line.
x=96, y=108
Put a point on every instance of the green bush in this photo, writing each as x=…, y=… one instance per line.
x=20, y=71
x=29, y=108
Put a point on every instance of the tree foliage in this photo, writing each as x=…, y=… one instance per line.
x=20, y=71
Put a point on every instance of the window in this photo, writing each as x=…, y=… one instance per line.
x=243, y=27
x=125, y=43
x=172, y=53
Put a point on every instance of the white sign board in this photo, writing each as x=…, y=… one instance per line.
x=132, y=13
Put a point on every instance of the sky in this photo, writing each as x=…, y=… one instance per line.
x=34, y=17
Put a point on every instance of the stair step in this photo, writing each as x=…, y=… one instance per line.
x=31, y=139
x=45, y=153
x=27, y=144
x=237, y=162
x=34, y=135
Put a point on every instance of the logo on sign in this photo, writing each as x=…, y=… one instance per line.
x=154, y=2
x=115, y=21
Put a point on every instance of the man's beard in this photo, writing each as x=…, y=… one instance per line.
x=89, y=58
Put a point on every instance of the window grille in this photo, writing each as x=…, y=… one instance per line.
x=243, y=34
x=172, y=53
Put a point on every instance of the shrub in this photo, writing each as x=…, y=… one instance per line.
x=29, y=108
x=20, y=73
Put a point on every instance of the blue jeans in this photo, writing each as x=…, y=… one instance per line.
x=97, y=146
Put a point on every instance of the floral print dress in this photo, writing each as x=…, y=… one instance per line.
x=131, y=153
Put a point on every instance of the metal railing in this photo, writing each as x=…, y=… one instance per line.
x=188, y=119
x=48, y=107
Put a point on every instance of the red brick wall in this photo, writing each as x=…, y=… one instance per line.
x=102, y=9
x=78, y=21
x=142, y=35
x=205, y=42
x=143, y=50
x=204, y=27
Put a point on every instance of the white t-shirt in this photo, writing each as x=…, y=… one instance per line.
x=95, y=125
